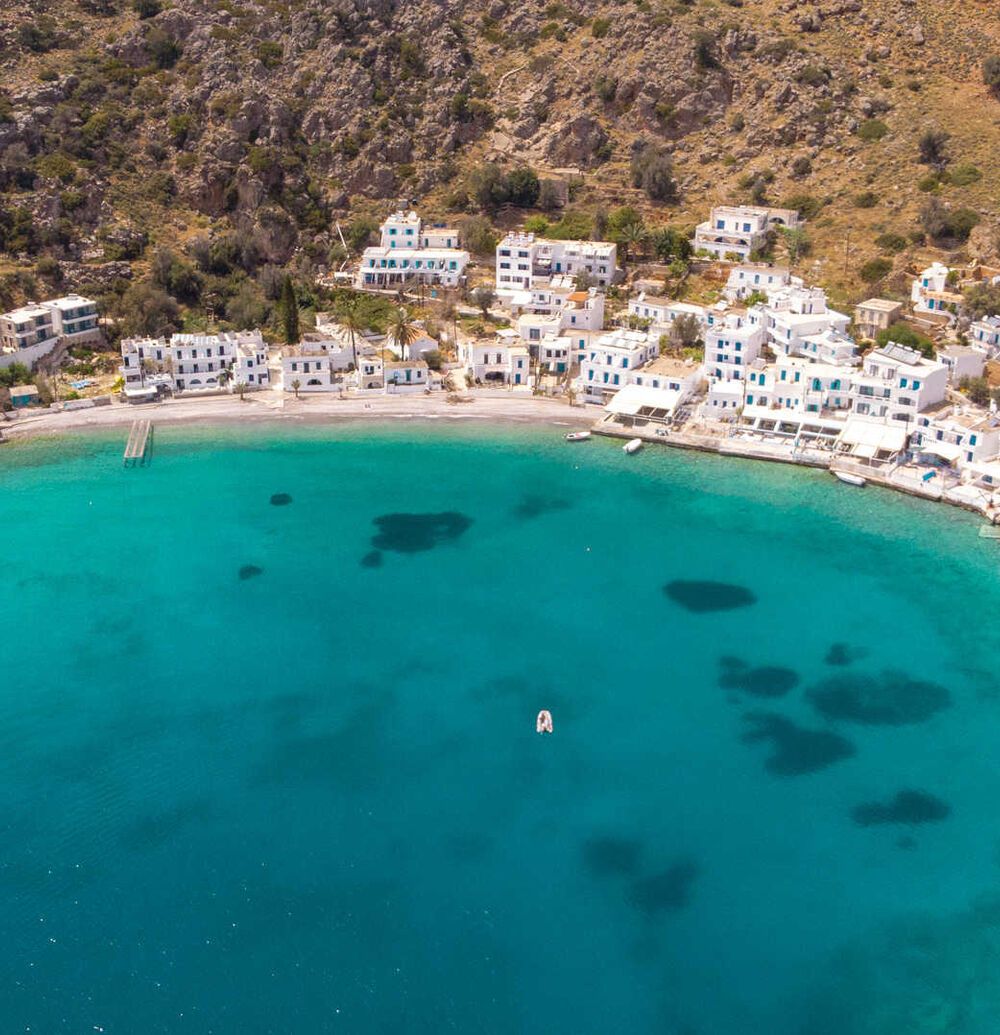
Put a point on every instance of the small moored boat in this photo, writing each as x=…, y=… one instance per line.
x=632, y=446
x=850, y=479
x=543, y=724
x=578, y=436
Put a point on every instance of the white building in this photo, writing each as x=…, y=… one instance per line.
x=962, y=362
x=798, y=321
x=897, y=383
x=956, y=438
x=656, y=393
x=984, y=335
x=33, y=331
x=406, y=375
x=929, y=292
x=792, y=383
x=504, y=360
x=731, y=346
x=317, y=363
x=194, y=362
x=523, y=258
x=746, y=278
x=573, y=313
x=661, y=312
x=608, y=363
x=410, y=252
x=739, y=230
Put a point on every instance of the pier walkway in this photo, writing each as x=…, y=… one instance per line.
x=137, y=446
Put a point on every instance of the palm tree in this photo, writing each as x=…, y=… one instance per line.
x=633, y=235
x=351, y=321
x=403, y=331
x=296, y=385
x=225, y=375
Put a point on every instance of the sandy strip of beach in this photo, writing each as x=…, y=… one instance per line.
x=485, y=405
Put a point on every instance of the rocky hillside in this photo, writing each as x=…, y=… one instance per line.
x=236, y=134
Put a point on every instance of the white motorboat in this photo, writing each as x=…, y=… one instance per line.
x=850, y=479
x=632, y=446
x=578, y=436
x=543, y=724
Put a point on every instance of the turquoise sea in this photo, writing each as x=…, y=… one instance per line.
x=268, y=761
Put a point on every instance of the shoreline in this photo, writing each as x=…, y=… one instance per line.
x=486, y=406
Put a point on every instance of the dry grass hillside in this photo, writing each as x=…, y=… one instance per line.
x=229, y=137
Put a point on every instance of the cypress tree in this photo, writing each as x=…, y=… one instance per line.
x=290, y=312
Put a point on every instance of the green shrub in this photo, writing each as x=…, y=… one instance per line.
x=872, y=129
x=964, y=174
x=991, y=73
x=179, y=127
x=653, y=171
x=904, y=334
x=805, y=204
x=947, y=225
x=55, y=166
x=269, y=53
x=874, y=270
x=600, y=27
x=813, y=75
x=801, y=166
x=704, y=50
x=891, y=242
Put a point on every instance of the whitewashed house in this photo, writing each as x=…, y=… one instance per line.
x=371, y=372
x=661, y=312
x=796, y=313
x=196, y=362
x=145, y=364
x=731, y=346
x=656, y=392
x=504, y=360
x=962, y=361
x=317, y=363
x=409, y=252
x=739, y=230
x=984, y=335
x=897, y=383
x=406, y=375
x=579, y=314
x=608, y=363
x=955, y=437
x=306, y=371
x=250, y=366
x=523, y=258
x=747, y=278
x=930, y=292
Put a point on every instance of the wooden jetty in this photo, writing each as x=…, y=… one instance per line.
x=137, y=446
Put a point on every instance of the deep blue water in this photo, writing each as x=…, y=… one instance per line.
x=271, y=766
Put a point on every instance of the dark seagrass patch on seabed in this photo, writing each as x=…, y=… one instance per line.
x=535, y=505
x=372, y=559
x=280, y=499
x=841, y=654
x=667, y=891
x=907, y=807
x=702, y=596
x=414, y=533
x=250, y=571
x=762, y=681
x=611, y=856
x=889, y=699
x=795, y=750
